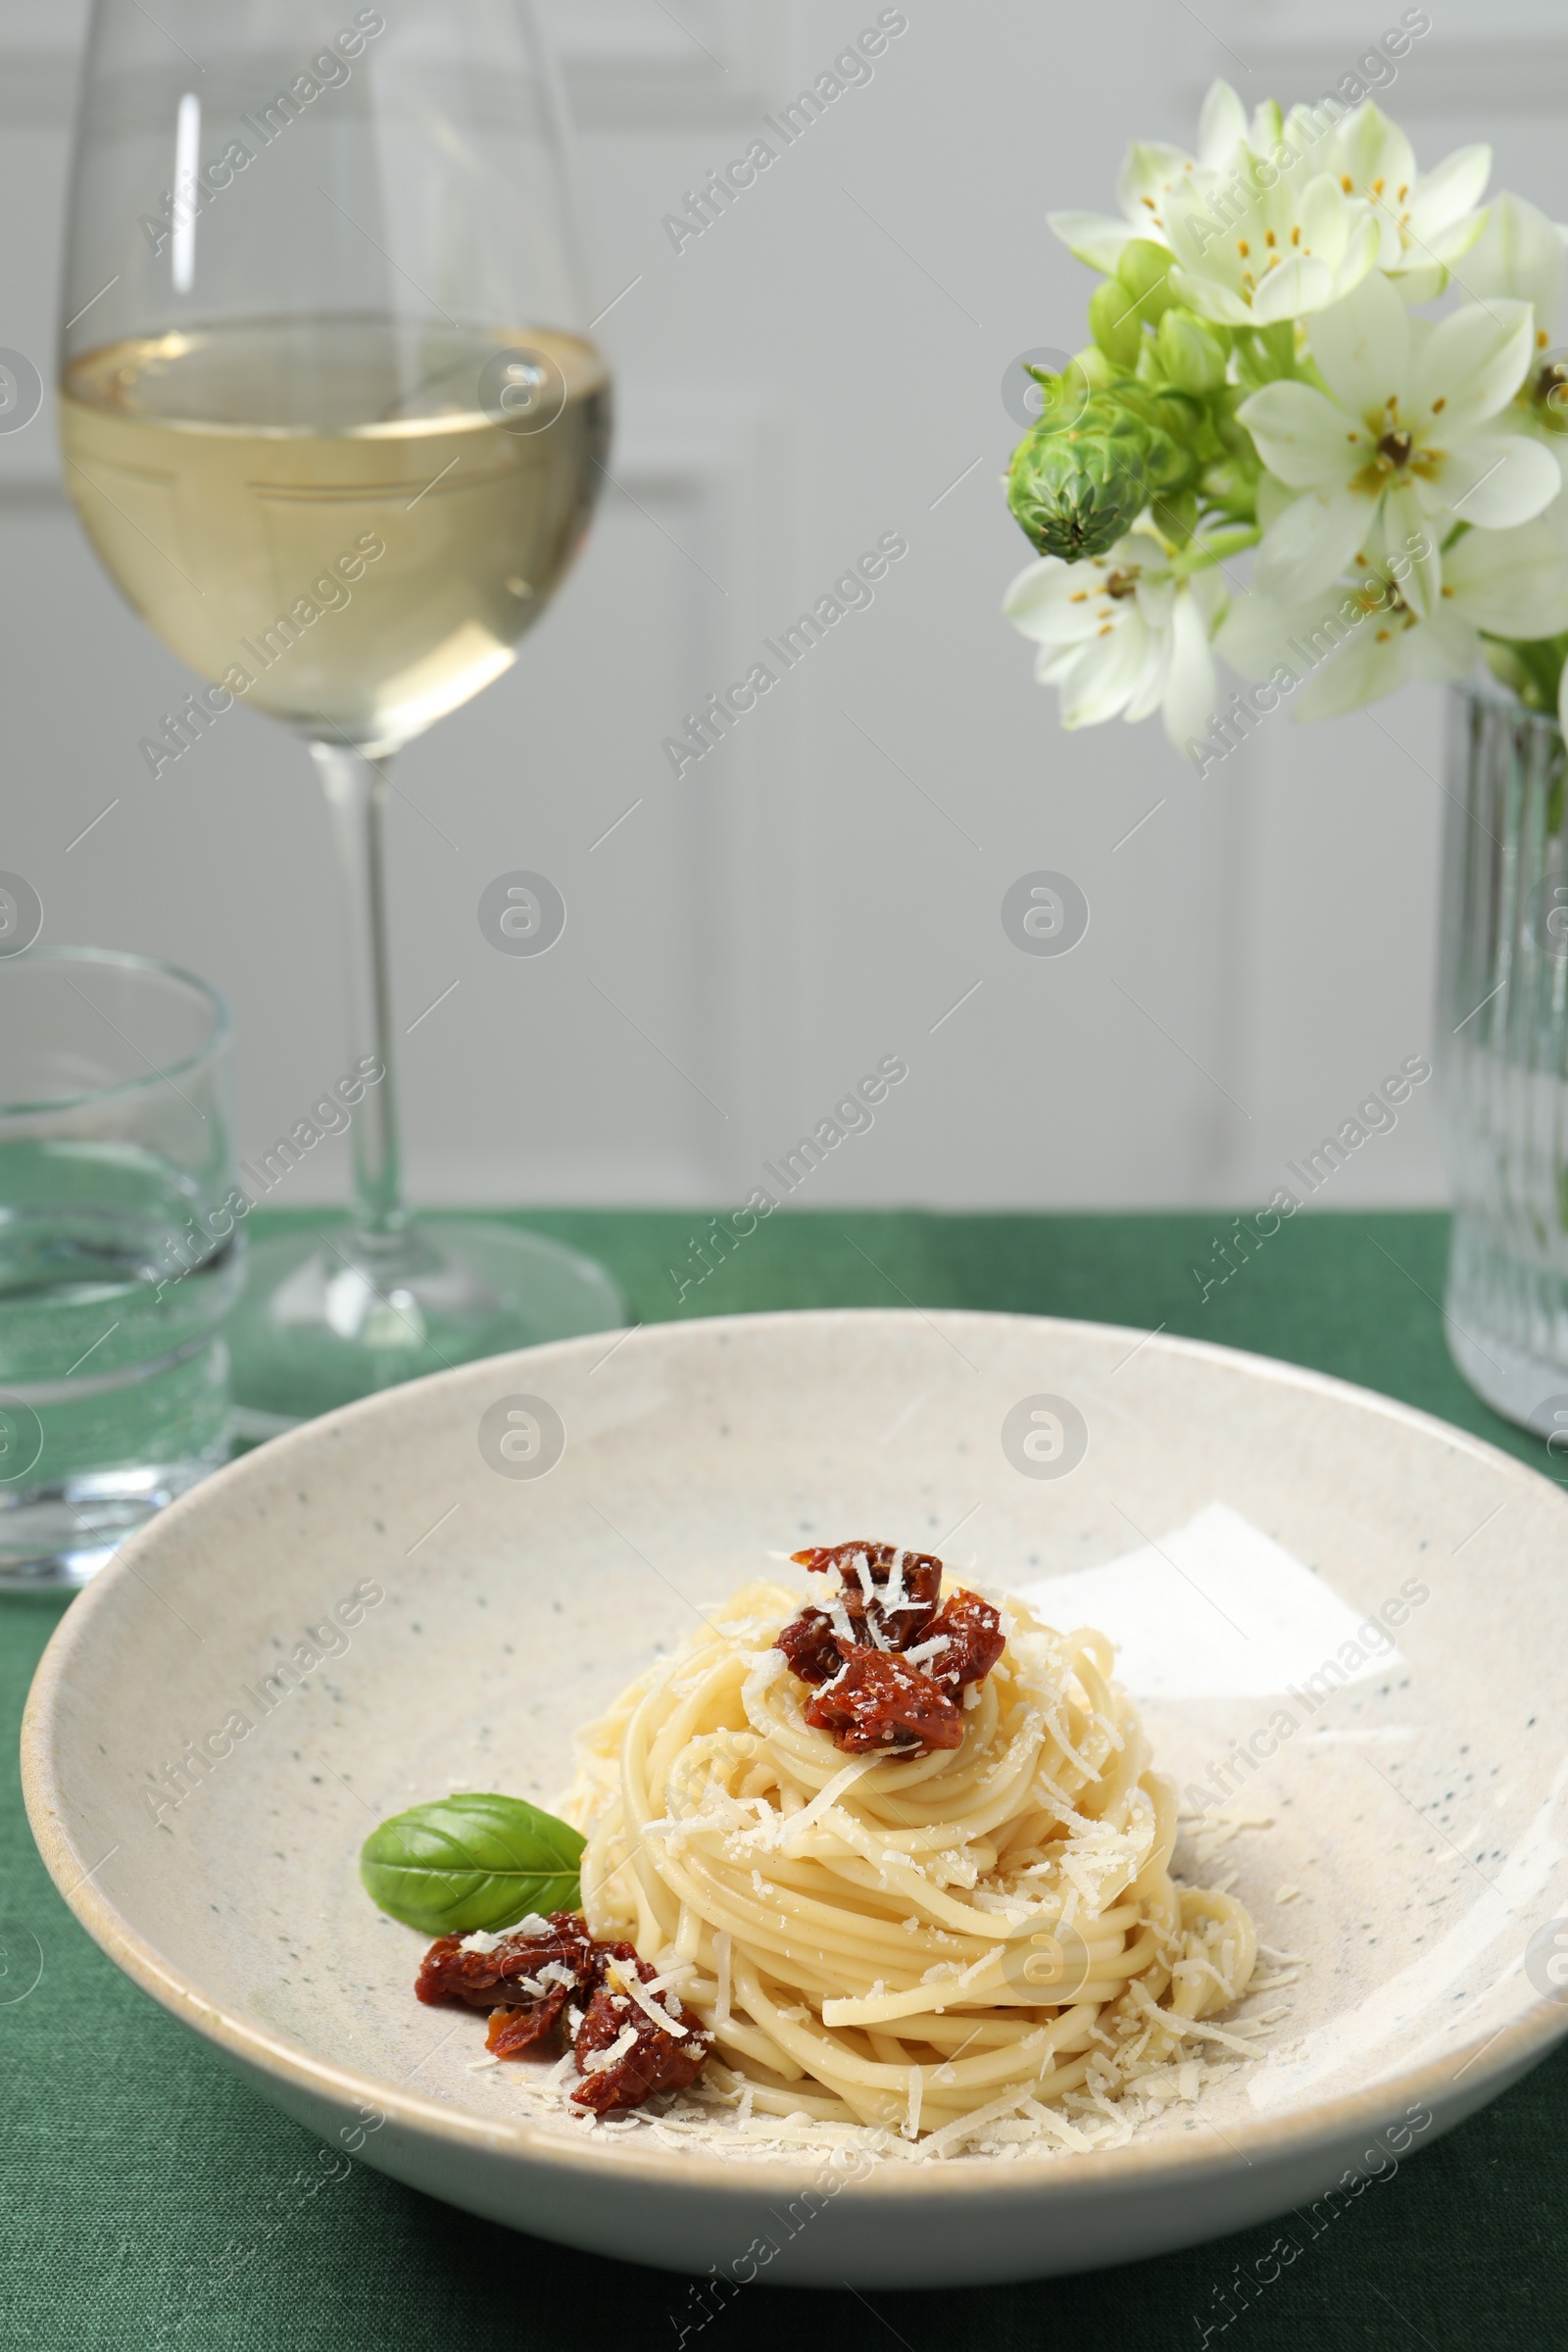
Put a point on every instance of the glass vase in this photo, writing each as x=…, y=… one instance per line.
x=1503, y=1056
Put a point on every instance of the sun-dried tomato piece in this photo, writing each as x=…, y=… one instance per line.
x=516, y=2032
x=478, y=1980
x=535, y=1985
x=808, y=1643
x=885, y=1601
x=972, y=1631
x=899, y=1623
x=654, y=2058
x=525, y=1981
x=880, y=1700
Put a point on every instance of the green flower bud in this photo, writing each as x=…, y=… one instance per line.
x=1075, y=487
x=1265, y=353
x=1062, y=397
x=1144, y=269
x=1115, y=323
x=1505, y=666
x=1175, y=513
x=1229, y=431
x=1191, y=353
x=1150, y=372
x=1232, y=485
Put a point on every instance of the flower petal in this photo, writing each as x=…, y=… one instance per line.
x=1211, y=595
x=1362, y=347
x=1360, y=254
x=1498, y=480
x=1303, y=436
x=1472, y=362
x=1447, y=195
x=1150, y=174
x=1273, y=496
x=1104, y=674
x=1209, y=299
x=1141, y=546
x=1255, y=632
x=1301, y=283
x=1151, y=686
x=1423, y=285
x=1312, y=542
x=1510, y=583
x=1306, y=127
x=1093, y=237
x=1520, y=253
x=1036, y=590
x=1411, y=548
x=1446, y=245
x=1060, y=625
x=1267, y=126
x=1155, y=596
x=1444, y=648
x=1375, y=664
x=1372, y=150
x=1192, y=684
x=1221, y=126
x=1324, y=215
x=1053, y=663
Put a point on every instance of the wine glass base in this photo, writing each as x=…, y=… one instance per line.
x=329, y=1316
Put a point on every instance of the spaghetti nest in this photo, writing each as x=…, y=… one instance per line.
x=904, y=1940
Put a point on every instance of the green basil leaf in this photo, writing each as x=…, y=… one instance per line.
x=467, y=1862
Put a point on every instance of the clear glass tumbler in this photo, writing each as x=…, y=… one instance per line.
x=1503, y=1053
x=121, y=1246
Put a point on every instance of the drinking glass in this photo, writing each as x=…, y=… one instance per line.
x=334, y=425
x=120, y=1249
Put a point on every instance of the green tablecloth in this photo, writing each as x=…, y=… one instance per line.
x=131, y=2157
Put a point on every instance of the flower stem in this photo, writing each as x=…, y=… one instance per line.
x=1200, y=554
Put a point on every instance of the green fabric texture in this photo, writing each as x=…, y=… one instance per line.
x=151, y=2201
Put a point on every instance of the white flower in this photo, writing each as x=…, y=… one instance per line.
x=1426, y=222
x=1363, y=640
x=1152, y=172
x=1124, y=633
x=1522, y=254
x=1394, y=450
x=1266, y=244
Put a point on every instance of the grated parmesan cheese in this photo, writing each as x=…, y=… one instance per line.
x=644, y=2001
x=598, y=2062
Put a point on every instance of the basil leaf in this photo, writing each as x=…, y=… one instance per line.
x=467, y=1862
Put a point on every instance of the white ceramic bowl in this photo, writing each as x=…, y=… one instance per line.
x=1417, y=1808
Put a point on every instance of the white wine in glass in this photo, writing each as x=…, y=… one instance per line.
x=285, y=461
x=334, y=425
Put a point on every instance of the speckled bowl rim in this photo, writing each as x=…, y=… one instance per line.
x=1507, y=2053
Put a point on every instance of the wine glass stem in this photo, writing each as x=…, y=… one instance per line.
x=356, y=791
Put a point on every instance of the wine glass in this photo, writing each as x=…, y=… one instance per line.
x=334, y=427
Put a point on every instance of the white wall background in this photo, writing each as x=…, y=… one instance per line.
x=823, y=366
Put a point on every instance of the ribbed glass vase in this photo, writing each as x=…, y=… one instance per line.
x=1503, y=1053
